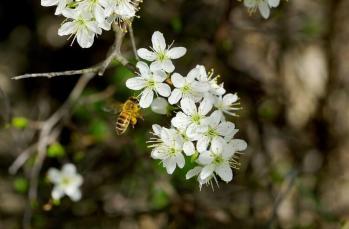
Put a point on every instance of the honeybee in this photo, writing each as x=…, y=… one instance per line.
x=130, y=112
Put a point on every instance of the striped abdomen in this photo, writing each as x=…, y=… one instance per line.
x=122, y=122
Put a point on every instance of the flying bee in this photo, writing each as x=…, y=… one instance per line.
x=130, y=112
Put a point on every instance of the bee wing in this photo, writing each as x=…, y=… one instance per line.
x=112, y=106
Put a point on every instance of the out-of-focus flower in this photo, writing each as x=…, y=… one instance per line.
x=262, y=5
x=66, y=182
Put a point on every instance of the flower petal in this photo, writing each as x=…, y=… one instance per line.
x=158, y=41
x=53, y=175
x=188, y=106
x=177, y=80
x=176, y=95
x=180, y=160
x=147, y=98
x=205, y=106
x=136, y=83
x=189, y=148
x=69, y=169
x=167, y=66
x=203, y=143
x=170, y=165
x=193, y=172
x=226, y=128
x=229, y=99
x=143, y=69
x=180, y=121
x=225, y=172
x=238, y=145
x=205, y=158
x=264, y=9
x=57, y=193
x=207, y=171
x=163, y=89
x=177, y=52
x=146, y=54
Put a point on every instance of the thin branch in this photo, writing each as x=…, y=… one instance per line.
x=21, y=159
x=133, y=41
x=47, y=134
x=115, y=51
x=62, y=73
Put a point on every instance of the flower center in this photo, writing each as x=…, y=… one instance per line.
x=151, y=84
x=162, y=56
x=66, y=181
x=186, y=89
x=172, y=152
x=211, y=132
x=217, y=159
x=196, y=118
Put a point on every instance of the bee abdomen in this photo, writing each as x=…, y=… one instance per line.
x=122, y=123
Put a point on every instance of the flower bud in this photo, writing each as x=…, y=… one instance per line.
x=160, y=106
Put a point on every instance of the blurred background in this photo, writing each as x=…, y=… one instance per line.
x=291, y=73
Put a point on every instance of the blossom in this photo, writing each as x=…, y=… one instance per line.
x=161, y=54
x=214, y=89
x=195, y=172
x=149, y=81
x=97, y=9
x=263, y=6
x=216, y=160
x=66, y=182
x=124, y=9
x=193, y=117
x=61, y=4
x=160, y=106
x=227, y=104
x=213, y=130
x=168, y=148
x=187, y=87
x=82, y=26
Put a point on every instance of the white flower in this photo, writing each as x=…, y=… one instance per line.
x=67, y=182
x=263, y=6
x=228, y=104
x=187, y=87
x=168, y=148
x=149, y=81
x=217, y=161
x=213, y=130
x=160, y=106
x=161, y=54
x=214, y=87
x=195, y=172
x=97, y=9
x=123, y=9
x=193, y=117
x=82, y=26
x=61, y=4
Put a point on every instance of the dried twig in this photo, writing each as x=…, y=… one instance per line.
x=62, y=73
x=50, y=128
x=133, y=42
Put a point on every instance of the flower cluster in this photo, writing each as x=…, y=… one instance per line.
x=87, y=18
x=67, y=182
x=262, y=5
x=200, y=129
